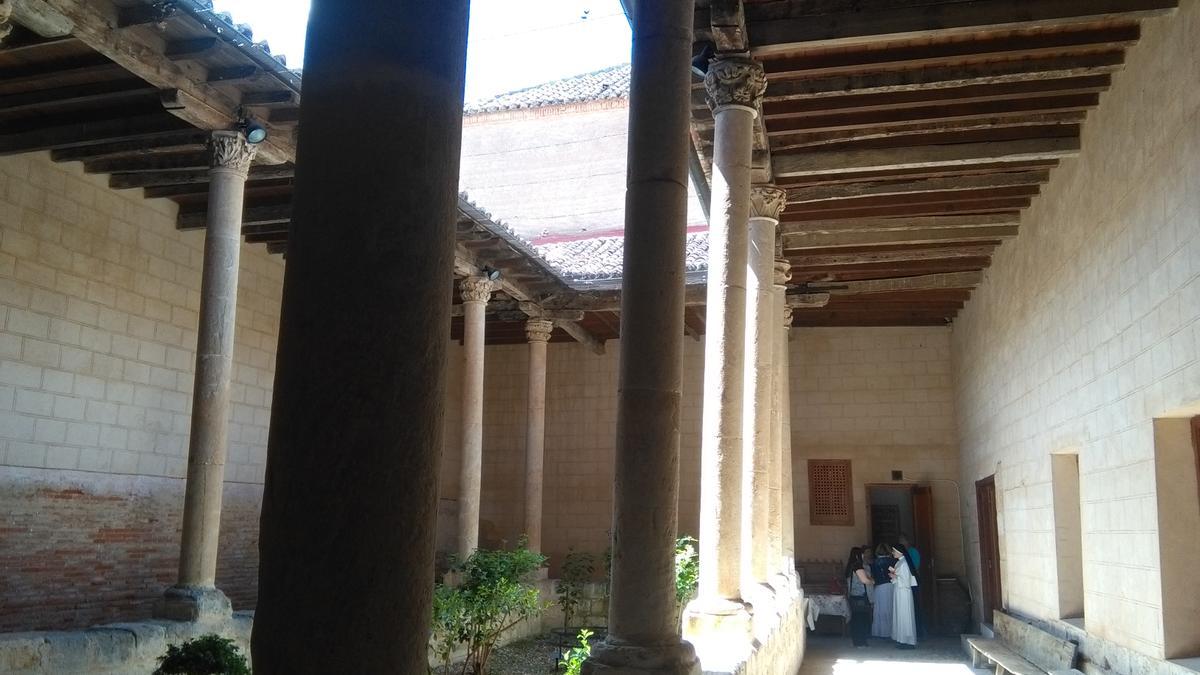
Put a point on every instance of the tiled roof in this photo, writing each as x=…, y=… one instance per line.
x=601, y=258
x=609, y=83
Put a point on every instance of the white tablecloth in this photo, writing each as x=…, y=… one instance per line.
x=819, y=604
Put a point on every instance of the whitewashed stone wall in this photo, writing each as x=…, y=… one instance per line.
x=1083, y=332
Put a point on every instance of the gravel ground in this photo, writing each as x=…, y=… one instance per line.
x=535, y=656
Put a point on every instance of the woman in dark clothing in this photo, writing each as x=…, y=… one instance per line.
x=857, y=582
x=881, y=623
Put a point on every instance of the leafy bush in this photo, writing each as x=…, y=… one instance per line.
x=574, y=659
x=206, y=655
x=577, y=570
x=687, y=569
x=493, y=596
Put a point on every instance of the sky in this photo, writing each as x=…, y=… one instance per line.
x=513, y=43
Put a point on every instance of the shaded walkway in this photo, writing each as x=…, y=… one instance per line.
x=836, y=656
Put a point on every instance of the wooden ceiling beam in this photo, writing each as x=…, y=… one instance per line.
x=772, y=33
x=149, y=163
x=809, y=240
x=909, y=198
x=934, y=208
x=232, y=74
x=886, y=224
x=251, y=215
x=923, y=157
x=921, y=97
x=1051, y=69
x=927, y=282
x=82, y=94
x=142, y=54
x=837, y=178
x=89, y=132
x=870, y=257
x=124, y=181
x=190, y=140
x=1036, y=105
x=825, y=193
x=815, y=139
x=818, y=318
x=193, y=49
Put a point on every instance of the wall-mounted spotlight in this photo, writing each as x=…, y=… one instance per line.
x=491, y=273
x=255, y=132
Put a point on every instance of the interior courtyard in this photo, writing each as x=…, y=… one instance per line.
x=796, y=277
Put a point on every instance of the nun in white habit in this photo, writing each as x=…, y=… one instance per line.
x=904, y=624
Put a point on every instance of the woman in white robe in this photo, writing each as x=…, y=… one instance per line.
x=904, y=623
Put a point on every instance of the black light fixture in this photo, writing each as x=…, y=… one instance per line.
x=491, y=273
x=255, y=132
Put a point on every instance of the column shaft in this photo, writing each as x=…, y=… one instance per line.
x=475, y=293
x=538, y=332
x=350, y=501
x=231, y=157
x=643, y=630
x=724, y=371
x=757, y=454
x=784, y=387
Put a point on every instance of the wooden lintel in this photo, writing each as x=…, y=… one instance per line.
x=847, y=161
x=821, y=193
x=935, y=236
x=926, y=282
x=918, y=18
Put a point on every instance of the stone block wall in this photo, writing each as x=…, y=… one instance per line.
x=882, y=398
x=1083, y=333
x=99, y=296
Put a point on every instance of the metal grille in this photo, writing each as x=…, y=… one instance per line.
x=830, y=495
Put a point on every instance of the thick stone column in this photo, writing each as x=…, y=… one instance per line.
x=476, y=291
x=780, y=485
x=537, y=331
x=735, y=86
x=350, y=502
x=784, y=386
x=643, y=625
x=760, y=487
x=195, y=593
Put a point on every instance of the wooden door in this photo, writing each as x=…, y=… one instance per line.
x=923, y=520
x=989, y=546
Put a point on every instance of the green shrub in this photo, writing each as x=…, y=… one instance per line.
x=577, y=570
x=492, y=596
x=206, y=655
x=573, y=661
x=687, y=569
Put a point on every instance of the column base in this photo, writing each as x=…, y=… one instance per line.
x=615, y=658
x=722, y=628
x=191, y=603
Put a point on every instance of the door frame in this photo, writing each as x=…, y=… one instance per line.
x=991, y=577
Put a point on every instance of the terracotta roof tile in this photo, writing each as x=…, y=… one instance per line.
x=601, y=257
x=609, y=83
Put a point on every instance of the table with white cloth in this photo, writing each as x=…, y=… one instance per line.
x=825, y=603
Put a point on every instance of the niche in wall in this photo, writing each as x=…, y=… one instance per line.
x=1068, y=534
x=1175, y=470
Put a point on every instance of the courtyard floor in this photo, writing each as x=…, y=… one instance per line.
x=836, y=656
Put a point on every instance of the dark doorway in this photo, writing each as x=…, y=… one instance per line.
x=989, y=546
x=905, y=509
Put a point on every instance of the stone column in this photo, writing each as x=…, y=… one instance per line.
x=537, y=331
x=780, y=485
x=643, y=623
x=734, y=85
x=784, y=386
x=760, y=486
x=195, y=593
x=476, y=291
x=349, y=515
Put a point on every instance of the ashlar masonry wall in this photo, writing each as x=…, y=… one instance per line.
x=99, y=296
x=1084, y=331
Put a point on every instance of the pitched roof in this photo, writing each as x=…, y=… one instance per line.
x=608, y=83
x=600, y=258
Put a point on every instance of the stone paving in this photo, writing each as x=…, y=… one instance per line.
x=837, y=656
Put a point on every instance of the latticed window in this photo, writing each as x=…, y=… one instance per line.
x=830, y=492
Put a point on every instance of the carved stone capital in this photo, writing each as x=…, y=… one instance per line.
x=787, y=317
x=230, y=150
x=476, y=289
x=6, y=8
x=734, y=80
x=767, y=201
x=538, y=330
x=783, y=272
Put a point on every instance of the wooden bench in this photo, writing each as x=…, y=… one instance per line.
x=1021, y=648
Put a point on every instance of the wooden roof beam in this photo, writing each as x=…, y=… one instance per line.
x=773, y=30
x=894, y=133
x=870, y=257
x=89, y=133
x=124, y=181
x=927, y=282
x=965, y=154
x=809, y=240
x=143, y=54
x=821, y=193
x=900, y=223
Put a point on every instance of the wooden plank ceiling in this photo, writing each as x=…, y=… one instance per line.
x=910, y=134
